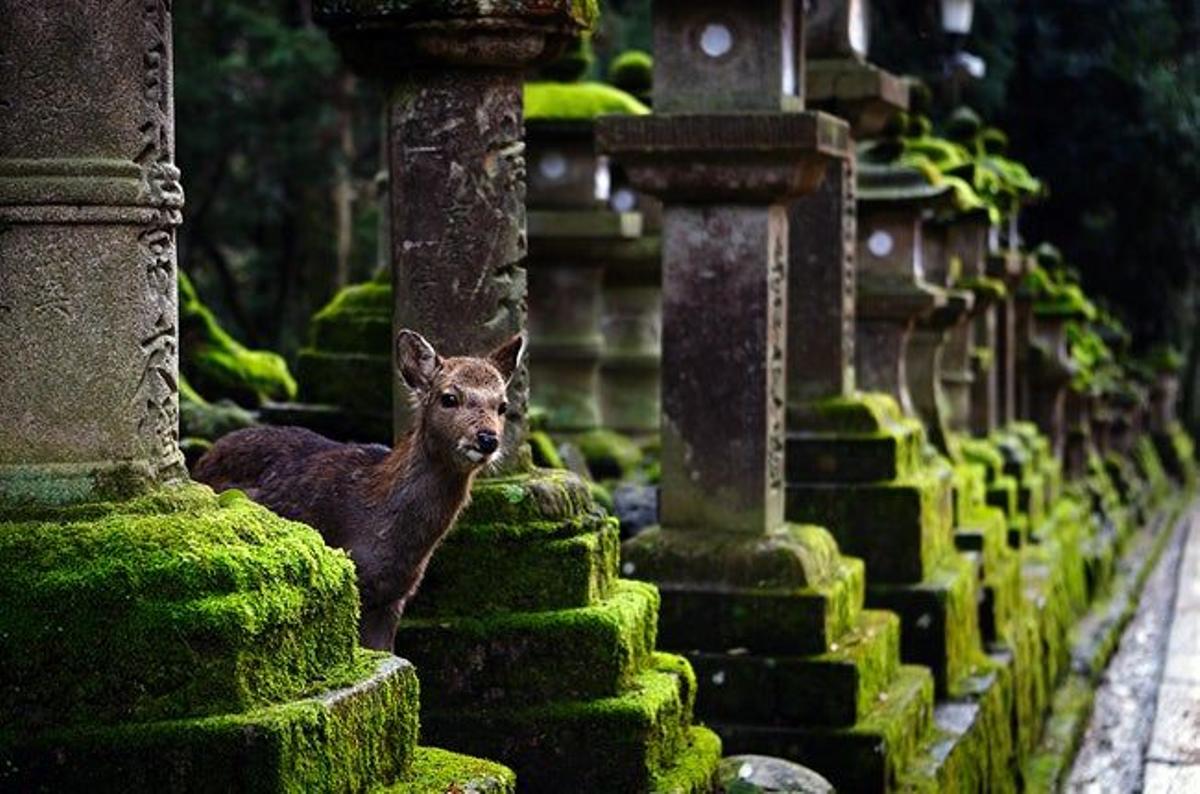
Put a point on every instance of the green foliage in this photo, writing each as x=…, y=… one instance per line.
x=578, y=101
x=633, y=71
x=218, y=364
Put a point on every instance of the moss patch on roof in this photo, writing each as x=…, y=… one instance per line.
x=579, y=101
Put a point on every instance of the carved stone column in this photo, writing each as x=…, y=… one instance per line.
x=89, y=202
x=892, y=291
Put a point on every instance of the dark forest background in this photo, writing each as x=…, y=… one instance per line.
x=280, y=148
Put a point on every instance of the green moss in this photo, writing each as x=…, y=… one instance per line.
x=526, y=658
x=609, y=455
x=555, y=573
x=357, y=320
x=176, y=604
x=220, y=366
x=547, y=503
x=435, y=771
x=1072, y=703
x=545, y=454
x=613, y=744
x=343, y=739
x=578, y=101
x=633, y=71
x=694, y=767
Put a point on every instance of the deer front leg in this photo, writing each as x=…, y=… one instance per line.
x=377, y=627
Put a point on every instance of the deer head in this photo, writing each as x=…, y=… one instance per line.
x=460, y=401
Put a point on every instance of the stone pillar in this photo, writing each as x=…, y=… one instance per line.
x=166, y=641
x=572, y=238
x=563, y=648
x=1051, y=370
x=892, y=292
x=930, y=333
x=966, y=243
x=89, y=202
x=993, y=402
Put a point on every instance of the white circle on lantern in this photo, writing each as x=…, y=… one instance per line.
x=716, y=40
x=880, y=243
x=623, y=200
x=553, y=166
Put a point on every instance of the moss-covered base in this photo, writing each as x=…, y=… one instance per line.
x=834, y=689
x=346, y=739
x=176, y=604
x=536, y=654
x=621, y=743
x=437, y=771
x=939, y=620
x=868, y=757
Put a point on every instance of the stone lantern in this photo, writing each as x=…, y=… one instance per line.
x=993, y=393
x=893, y=292
x=967, y=244
x=930, y=334
x=1051, y=370
x=564, y=648
x=573, y=235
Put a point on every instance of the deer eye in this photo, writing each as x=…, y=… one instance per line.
x=449, y=400
x=502, y=409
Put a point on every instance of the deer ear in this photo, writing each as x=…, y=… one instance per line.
x=507, y=357
x=416, y=360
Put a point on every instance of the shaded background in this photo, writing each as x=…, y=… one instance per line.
x=280, y=146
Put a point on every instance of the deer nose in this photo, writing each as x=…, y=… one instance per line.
x=486, y=441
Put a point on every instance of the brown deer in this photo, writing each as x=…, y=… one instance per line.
x=388, y=509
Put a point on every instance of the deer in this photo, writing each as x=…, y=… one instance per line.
x=388, y=509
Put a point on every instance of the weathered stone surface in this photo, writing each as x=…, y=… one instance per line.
x=707, y=58
x=631, y=325
x=863, y=94
x=752, y=774
x=89, y=202
x=821, y=288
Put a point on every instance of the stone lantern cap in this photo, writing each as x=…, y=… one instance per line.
x=895, y=183
x=861, y=93
x=386, y=35
x=743, y=157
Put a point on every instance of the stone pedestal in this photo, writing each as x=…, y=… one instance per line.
x=522, y=629
x=572, y=237
x=157, y=637
x=631, y=324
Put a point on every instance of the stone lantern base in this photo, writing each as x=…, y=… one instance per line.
x=533, y=650
x=185, y=641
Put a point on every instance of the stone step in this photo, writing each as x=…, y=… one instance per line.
x=559, y=550
x=970, y=749
x=694, y=766
x=814, y=457
x=834, y=689
x=195, y=604
x=611, y=744
x=437, y=771
x=765, y=621
x=900, y=529
x=939, y=620
x=339, y=740
x=866, y=758
x=534, y=657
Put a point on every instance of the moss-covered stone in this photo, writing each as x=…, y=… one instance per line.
x=177, y=604
x=540, y=574
x=534, y=657
x=834, y=689
x=441, y=771
x=859, y=457
x=357, y=320
x=586, y=100
x=694, y=767
x=545, y=454
x=901, y=529
x=866, y=758
x=356, y=734
x=613, y=744
x=220, y=366
x=633, y=71
x=609, y=455
x=939, y=619
x=358, y=381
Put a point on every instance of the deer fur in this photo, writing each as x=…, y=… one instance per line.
x=389, y=509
